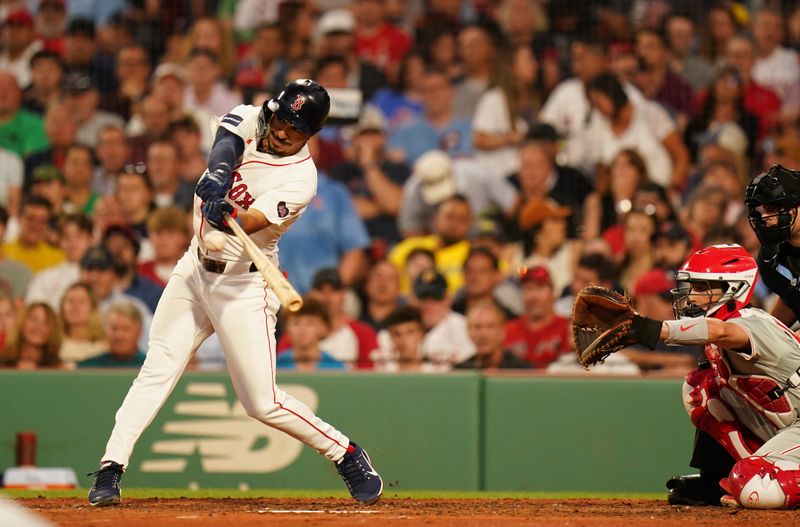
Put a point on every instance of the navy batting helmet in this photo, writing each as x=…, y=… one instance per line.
x=775, y=192
x=302, y=103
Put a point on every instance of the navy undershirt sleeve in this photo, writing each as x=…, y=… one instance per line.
x=228, y=147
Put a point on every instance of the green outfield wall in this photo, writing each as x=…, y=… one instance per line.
x=458, y=431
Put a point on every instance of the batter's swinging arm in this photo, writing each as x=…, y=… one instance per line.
x=287, y=294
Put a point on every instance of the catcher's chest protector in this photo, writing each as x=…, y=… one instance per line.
x=760, y=392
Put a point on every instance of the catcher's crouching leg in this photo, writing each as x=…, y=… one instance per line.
x=713, y=416
x=758, y=483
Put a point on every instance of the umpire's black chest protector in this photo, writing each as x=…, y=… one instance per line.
x=782, y=274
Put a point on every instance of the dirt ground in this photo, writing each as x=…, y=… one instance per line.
x=393, y=512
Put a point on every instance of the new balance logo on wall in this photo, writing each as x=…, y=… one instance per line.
x=226, y=439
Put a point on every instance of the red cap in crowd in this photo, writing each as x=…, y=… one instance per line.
x=19, y=17
x=654, y=282
x=537, y=274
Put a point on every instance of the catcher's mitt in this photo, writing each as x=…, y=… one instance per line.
x=601, y=323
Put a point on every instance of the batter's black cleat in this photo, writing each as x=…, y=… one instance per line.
x=694, y=490
x=105, y=489
x=363, y=482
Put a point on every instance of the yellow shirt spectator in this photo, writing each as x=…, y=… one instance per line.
x=36, y=258
x=31, y=248
x=449, y=259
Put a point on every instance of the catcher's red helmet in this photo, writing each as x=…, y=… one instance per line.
x=729, y=267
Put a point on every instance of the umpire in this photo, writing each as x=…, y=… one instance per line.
x=773, y=202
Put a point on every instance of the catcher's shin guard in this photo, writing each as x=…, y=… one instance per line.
x=757, y=483
x=712, y=415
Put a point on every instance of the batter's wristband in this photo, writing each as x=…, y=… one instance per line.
x=646, y=331
x=687, y=332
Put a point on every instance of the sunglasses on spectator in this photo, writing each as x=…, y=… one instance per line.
x=136, y=168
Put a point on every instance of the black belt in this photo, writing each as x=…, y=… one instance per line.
x=216, y=266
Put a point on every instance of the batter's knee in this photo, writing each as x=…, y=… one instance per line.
x=263, y=412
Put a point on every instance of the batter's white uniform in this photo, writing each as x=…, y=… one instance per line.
x=236, y=304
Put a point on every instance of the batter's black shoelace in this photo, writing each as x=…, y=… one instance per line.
x=352, y=472
x=106, y=477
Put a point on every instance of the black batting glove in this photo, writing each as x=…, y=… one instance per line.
x=213, y=213
x=213, y=185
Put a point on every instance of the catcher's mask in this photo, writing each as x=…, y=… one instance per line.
x=714, y=282
x=772, y=199
x=302, y=103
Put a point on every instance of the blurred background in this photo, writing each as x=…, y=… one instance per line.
x=484, y=160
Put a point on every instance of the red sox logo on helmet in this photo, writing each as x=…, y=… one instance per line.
x=298, y=103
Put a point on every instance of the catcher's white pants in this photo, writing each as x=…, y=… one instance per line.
x=242, y=310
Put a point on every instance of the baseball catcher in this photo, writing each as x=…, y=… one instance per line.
x=747, y=396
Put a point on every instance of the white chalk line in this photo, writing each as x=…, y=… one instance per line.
x=304, y=511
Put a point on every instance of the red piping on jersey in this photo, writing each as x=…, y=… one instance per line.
x=789, y=331
x=272, y=359
x=269, y=343
x=790, y=450
x=273, y=164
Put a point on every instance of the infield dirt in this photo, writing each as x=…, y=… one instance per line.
x=240, y=512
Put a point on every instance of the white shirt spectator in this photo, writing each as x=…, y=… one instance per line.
x=568, y=110
x=492, y=117
x=219, y=102
x=447, y=343
x=341, y=344
x=781, y=72
x=50, y=285
x=87, y=134
x=477, y=181
x=21, y=67
x=650, y=125
x=252, y=13
x=11, y=175
x=386, y=359
x=614, y=364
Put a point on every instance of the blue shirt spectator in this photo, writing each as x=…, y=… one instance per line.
x=100, y=11
x=454, y=138
x=436, y=129
x=329, y=228
x=397, y=108
x=326, y=361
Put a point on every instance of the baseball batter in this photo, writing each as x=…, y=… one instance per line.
x=748, y=399
x=260, y=171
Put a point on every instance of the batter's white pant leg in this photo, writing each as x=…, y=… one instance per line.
x=244, y=315
x=179, y=326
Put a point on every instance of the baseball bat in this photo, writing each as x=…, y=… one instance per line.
x=287, y=294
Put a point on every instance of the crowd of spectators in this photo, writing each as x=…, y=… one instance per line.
x=484, y=160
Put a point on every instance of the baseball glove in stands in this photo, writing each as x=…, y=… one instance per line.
x=603, y=322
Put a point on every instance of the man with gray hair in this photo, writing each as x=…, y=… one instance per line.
x=123, y=324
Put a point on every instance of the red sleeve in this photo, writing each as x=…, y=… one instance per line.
x=566, y=340
x=284, y=343
x=699, y=101
x=367, y=343
x=615, y=236
x=513, y=334
x=148, y=270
